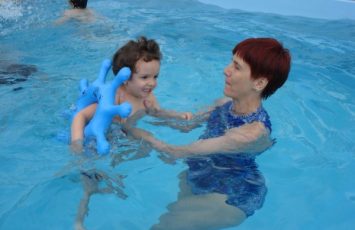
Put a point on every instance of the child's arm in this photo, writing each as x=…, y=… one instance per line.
x=173, y=119
x=183, y=125
x=162, y=113
x=152, y=108
x=78, y=125
x=186, y=121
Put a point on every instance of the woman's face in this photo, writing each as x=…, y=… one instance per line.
x=238, y=81
x=144, y=79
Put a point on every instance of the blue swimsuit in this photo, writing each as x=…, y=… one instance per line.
x=235, y=175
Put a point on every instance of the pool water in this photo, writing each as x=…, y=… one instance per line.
x=309, y=172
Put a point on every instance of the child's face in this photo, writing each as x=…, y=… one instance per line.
x=144, y=80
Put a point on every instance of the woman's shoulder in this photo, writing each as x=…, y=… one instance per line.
x=250, y=132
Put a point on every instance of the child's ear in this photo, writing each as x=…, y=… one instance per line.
x=260, y=83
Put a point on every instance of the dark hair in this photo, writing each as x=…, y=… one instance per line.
x=132, y=51
x=266, y=58
x=81, y=4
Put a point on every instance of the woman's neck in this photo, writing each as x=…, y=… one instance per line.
x=244, y=107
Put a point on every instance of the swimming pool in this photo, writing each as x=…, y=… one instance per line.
x=308, y=172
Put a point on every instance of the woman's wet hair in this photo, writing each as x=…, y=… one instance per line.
x=79, y=4
x=267, y=58
x=129, y=54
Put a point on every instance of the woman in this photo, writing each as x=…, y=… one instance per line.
x=222, y=185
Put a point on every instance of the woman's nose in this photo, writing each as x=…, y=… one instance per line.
x=227, y=70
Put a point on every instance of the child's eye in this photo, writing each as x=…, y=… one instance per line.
x=144, y=77
x=156, y=76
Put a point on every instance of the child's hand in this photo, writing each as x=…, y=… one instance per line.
x=77, y=146
x=168, y=159
x=186, y=116
x=149, y=108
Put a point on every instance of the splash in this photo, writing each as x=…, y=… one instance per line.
x=10, y=10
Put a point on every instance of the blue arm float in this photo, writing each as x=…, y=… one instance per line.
x=103, y=94
x=88, y=93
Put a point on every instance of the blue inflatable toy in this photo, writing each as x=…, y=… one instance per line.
x=104, y=95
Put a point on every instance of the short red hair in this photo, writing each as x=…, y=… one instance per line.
x=267, y=58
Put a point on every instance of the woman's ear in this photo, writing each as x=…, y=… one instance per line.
x=260, y=83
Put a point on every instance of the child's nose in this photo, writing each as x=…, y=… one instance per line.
x=152, y=82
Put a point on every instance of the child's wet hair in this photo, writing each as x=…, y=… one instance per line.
x=79, y=4
x=129, y=54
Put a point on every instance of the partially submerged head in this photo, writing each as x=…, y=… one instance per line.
x=78, y=4
x=128, y=55
x=267, y=58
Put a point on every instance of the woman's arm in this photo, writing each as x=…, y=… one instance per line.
x=249, y=138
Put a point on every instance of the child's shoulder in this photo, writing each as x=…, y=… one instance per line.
x=120, y=95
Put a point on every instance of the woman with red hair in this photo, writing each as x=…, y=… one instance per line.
x=222, y=185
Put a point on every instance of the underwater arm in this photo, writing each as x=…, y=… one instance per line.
x=250, y=138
